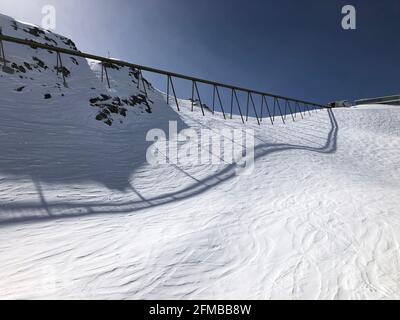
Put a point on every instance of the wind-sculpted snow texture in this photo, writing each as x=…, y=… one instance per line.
x=83, y=215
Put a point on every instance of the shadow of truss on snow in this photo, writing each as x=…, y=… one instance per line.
x=19, y=212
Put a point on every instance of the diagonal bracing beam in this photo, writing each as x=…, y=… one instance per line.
x=140, y=78
x=173, y=91
x=276, y=100
x=264, y=99
x=219, y=99
x=238, y=104
x=297, y=106
x=60, y=68
x=198, y=96
x=290, y=109
x=254, y=108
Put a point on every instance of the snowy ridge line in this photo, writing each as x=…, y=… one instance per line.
x=150, y=69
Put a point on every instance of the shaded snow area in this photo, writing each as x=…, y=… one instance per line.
x=84, y=215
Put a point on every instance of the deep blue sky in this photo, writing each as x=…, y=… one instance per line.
x=288, y=47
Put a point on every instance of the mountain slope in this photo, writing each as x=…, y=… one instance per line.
x=84, y=215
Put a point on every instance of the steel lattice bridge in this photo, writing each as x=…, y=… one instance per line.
x=277, y=100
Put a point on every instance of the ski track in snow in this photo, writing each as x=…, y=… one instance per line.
x=82, y=215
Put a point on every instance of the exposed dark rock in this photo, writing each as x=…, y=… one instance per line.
x=140, y=99
x=14, y=25
x=39, y=63
x=103, y=97
x=74, y=61
x=18, y=68
x=50, y=40
x=113, y=109
x=101, y=116
x=196, y=103
x=34, y=31
x=47, y=96
x=122, y=112
x=118, y=106
x=117, y=101
x=70, y=43
x=27, y=65
x=20, y=89
x=93, y=101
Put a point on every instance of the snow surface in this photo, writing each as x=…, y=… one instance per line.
x=83, y=215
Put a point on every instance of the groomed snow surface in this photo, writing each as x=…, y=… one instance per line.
x=83, y=215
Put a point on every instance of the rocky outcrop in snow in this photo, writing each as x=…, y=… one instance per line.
x=36, y=72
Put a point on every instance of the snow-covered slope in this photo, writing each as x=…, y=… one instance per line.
x=83, y=215
x=36, y=79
